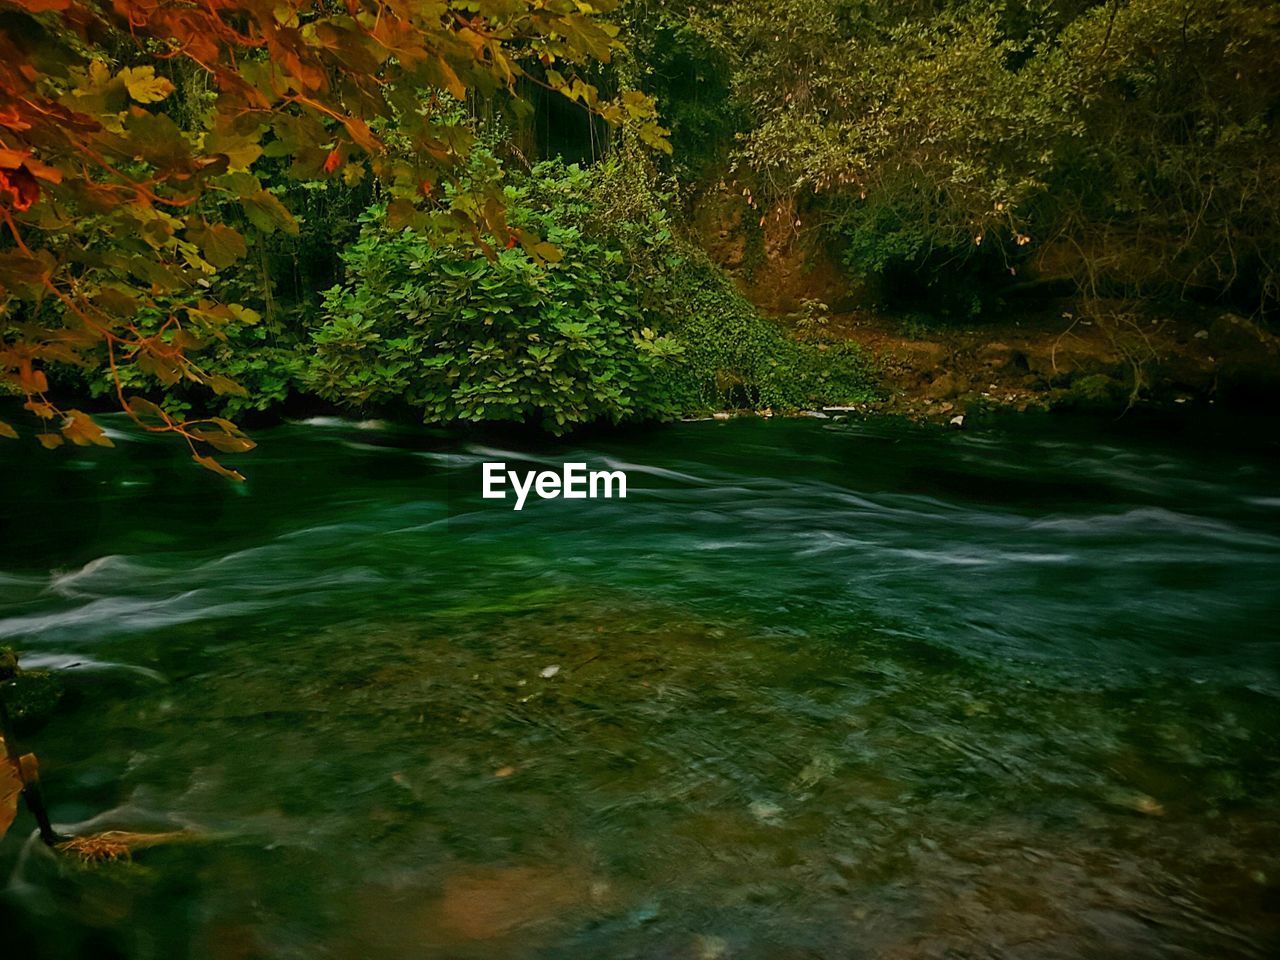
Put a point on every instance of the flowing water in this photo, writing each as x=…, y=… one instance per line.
x=815, y=689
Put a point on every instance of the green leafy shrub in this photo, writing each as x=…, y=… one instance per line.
x=630, y=323
x=458, y=336
x=732, y=356
x=735, y=357
x=254, y=365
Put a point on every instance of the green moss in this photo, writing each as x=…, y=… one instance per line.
x=30, y=696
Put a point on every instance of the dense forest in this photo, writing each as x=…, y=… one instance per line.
x=560, y=213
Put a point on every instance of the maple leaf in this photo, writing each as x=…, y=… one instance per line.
x=144, y=86
x=222, y=246
x=80, y=429
x=21, y=186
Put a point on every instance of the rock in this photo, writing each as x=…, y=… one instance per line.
x=1096, y=393
x=711, y=947
x=1248, y=360
x=1233, y=336
x=924, y=356
x=995, y=354
x=1134, y=801
x=31, y=696
x=1180, y=373
x=1001, y=356
x=489, y=903
x=942, y=386
x=766, y=812
x=1059, y=366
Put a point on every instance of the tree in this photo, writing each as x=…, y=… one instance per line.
x=1127, y=145
x=133, y=133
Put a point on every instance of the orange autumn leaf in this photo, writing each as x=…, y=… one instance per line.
x=211, y=464
x=148, y=413
x=42, y=6
x=105, y=172
x=21, y=187
x=81, y=430
x=224, y=440
x=14, y=775
x=32, y=381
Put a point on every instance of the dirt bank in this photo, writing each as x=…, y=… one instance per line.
x=1031, y=355
x=1056, y=359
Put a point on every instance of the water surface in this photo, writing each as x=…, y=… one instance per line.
x=815, y=689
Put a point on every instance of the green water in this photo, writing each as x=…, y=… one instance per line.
x=824, y=690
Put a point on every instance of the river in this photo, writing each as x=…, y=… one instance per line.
x=815, y=689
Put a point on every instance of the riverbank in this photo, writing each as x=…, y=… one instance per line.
x=1034, y=347
x=1055, y=360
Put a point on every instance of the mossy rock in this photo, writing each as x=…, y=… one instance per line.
x=31, y=696
x=1095, y=393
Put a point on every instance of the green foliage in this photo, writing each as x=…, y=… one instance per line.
x=956, y=145
x=812, y=317
x=144, y=149
x=735, y=357
x=690, y=78
x=626, y=322
x=907, y=266
x=1170, y=186
x=731, y=355
x=458, y=336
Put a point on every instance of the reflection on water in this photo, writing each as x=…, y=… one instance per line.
x=813, y=690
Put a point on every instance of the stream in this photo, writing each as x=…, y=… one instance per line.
x=814, y=689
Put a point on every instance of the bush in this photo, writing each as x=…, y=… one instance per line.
x=729, y=354
x=458, y=336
